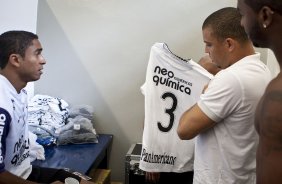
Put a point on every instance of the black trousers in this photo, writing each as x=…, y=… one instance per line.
x=49, y=175
x=177, y=178
x=172, y=178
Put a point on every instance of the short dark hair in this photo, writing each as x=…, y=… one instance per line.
x=226, y=23
x=14, y=42
x=256, y=5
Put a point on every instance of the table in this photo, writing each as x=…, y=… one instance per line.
x=78, y=157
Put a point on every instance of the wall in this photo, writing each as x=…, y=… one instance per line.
x=12, y=21
x=97, y=53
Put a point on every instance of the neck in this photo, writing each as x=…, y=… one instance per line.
x=245, y=50
x=13, y=79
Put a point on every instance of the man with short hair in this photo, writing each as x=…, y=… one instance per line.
x=21, y=61
x=223, y=119
x=262, y=20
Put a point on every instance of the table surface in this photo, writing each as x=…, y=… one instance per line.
x=78, y=157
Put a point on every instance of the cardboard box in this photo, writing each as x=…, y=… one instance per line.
x=100, y=176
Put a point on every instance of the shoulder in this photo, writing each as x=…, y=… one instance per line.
x=225, y=80
x=270, y=111
x=5, y=106
x=223, y=88
x=273, y=94
x=253, y=66
x=5, y=96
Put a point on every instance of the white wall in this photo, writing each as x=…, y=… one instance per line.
x=97, y=53
x=23, y=16
x=20, y=17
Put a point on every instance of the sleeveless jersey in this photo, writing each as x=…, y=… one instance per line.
x=172, y=86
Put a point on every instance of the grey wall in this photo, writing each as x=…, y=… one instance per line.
x=97, y=53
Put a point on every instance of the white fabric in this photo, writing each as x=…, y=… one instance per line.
x=226, y=153
x=47, y=112
x=36, y=150
x=14, y=105
x=172, y=86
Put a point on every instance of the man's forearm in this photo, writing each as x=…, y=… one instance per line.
x=9, y=178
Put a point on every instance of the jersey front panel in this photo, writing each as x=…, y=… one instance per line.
x=172, y=86
x=15, y=143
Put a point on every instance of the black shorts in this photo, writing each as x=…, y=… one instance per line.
x=49, y=175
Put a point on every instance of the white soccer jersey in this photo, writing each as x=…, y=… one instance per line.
x=172, y=86
x=14, y=143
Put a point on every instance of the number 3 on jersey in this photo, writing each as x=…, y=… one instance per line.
x=169, y=112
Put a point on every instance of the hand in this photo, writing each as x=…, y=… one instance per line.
x=152, y=177
x=207, y=64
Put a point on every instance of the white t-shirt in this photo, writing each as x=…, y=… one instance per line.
x=14, y=147
x=226, y=153
x=172, y=86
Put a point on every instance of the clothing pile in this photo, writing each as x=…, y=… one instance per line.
x=55, y=123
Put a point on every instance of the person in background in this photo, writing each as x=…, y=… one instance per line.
x=222, y=120
x=206, y=63
x=262, y=20
x=21, y=61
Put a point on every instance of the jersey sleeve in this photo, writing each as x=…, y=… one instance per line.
x=222, y=97
x=5, y=120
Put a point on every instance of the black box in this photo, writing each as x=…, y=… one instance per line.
x=134, y=175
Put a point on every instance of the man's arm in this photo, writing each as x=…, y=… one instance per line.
x=193, y=122
x=269, y=152
x=9, y=178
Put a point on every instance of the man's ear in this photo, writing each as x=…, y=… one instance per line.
x=265, y=16
x=14, y=60
x=229, y=43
